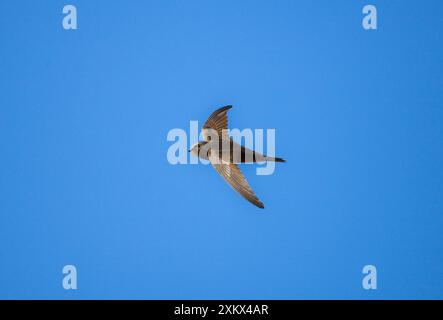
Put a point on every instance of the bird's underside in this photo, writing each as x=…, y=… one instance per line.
x=231, y=152
x=224, y=154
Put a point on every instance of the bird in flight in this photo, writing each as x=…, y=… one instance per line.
x=224, y=154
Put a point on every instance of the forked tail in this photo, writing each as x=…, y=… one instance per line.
x=275, y=159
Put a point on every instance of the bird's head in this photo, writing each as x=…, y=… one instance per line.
x=195, y=149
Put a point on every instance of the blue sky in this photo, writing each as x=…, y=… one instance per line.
x=85, y=180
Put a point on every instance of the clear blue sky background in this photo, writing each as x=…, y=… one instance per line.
x=84, y=178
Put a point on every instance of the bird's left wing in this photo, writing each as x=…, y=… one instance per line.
x=217, y=121
x=234, y=177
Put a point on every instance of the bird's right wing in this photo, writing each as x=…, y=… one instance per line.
x=234, y=177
